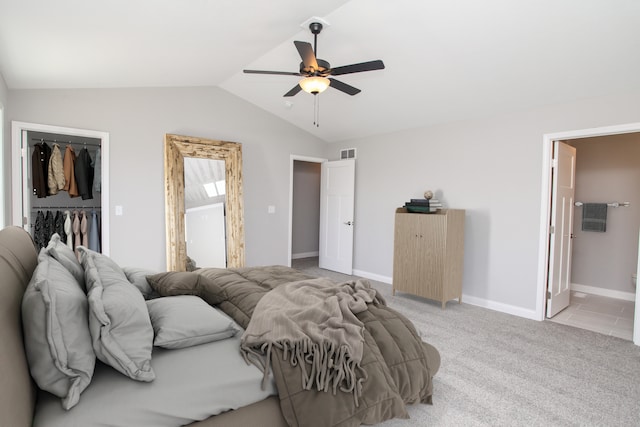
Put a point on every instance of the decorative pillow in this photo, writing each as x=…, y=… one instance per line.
x=56, y=331
x=118, y=318
x=65, y=256
x=187, y=283
x=186, y=320
x=138, y=277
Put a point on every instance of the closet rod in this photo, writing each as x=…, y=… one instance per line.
x=69, y=208
x=55, y=141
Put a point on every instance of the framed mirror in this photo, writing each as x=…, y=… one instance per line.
x=176, y=149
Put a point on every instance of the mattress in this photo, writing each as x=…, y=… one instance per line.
x=191, y=384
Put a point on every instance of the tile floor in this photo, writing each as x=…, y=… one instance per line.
x=596, y=313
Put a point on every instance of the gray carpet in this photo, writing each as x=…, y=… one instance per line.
x=503, y=370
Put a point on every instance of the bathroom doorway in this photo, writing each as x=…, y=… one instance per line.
x=602, y=295
x=602, y=264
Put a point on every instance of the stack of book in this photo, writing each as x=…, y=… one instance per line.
x=423, y=205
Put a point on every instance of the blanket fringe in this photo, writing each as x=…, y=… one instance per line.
x=325, y=366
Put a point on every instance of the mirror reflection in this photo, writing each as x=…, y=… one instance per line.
x=204, y=203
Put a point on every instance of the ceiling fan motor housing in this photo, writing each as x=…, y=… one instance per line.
x=323, y=69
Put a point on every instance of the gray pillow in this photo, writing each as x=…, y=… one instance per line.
x=65, y=256
x=138, y=277
x=118, y=318
x=56, y=331
x=186, y=320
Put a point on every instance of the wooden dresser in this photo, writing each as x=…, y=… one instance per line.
x=428, y=254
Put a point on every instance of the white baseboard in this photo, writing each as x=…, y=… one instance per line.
x=610, y=293
x=498, y=306
x=372, y=276
x=480, y=302
x=305, y=255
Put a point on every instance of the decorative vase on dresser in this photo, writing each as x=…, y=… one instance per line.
x=429, y=253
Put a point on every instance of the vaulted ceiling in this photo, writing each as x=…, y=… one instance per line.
x=445, y=60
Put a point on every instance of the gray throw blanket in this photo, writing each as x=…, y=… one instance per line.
x=313, y=322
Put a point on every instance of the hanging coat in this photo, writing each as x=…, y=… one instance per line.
x=94, y=233
x=68, y=231
x=55, y=175
x=76, y=233
x=59, y=226
x=97, y=172
x=70, y=184
x=49, y=226
x=39, y=168
x=84, y=229
x=39, y=236
x=84, y=174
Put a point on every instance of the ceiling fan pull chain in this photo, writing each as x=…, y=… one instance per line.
x=316, y=110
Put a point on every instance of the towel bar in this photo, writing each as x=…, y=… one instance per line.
x=611, y=205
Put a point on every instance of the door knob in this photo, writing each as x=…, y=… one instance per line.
x=349, y=223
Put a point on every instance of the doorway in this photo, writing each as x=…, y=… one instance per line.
x=546, y=202
x=304, y=208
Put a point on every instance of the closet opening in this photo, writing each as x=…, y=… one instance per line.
x=60, y=185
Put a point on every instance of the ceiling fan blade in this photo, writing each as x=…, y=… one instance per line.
x=306, y=53
x=279, y=73
x=358, y=68
x=294, y=90
x=343, y=87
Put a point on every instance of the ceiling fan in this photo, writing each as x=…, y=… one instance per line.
x=317, y=72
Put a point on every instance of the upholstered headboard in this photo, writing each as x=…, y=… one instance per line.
x=18, y=259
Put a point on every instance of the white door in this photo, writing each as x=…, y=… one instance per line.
x=336, y=215
x=560, y=245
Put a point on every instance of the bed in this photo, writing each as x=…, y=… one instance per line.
x=396, y=373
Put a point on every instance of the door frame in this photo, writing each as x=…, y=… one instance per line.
x=545, y=203
x=292, y=159
x=17, y=128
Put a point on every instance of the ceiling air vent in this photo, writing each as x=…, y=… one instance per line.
x=348, y=153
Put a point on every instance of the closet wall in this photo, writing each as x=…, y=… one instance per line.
x=71, y=208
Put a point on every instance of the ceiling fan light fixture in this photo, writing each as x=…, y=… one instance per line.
x=314, y=85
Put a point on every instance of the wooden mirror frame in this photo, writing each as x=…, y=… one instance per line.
x=176, y=148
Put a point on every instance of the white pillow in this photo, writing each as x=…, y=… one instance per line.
x=118, y=317
x=65, y=256
x=56, y=331
x=138, y=277
x=187, y=320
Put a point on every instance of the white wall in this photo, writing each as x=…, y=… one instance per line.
x=607, y=170
x=3, y=90
x=492, y=168
x=5, y=159
x=138, y=119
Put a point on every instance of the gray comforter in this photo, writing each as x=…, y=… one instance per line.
x=398, y=366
